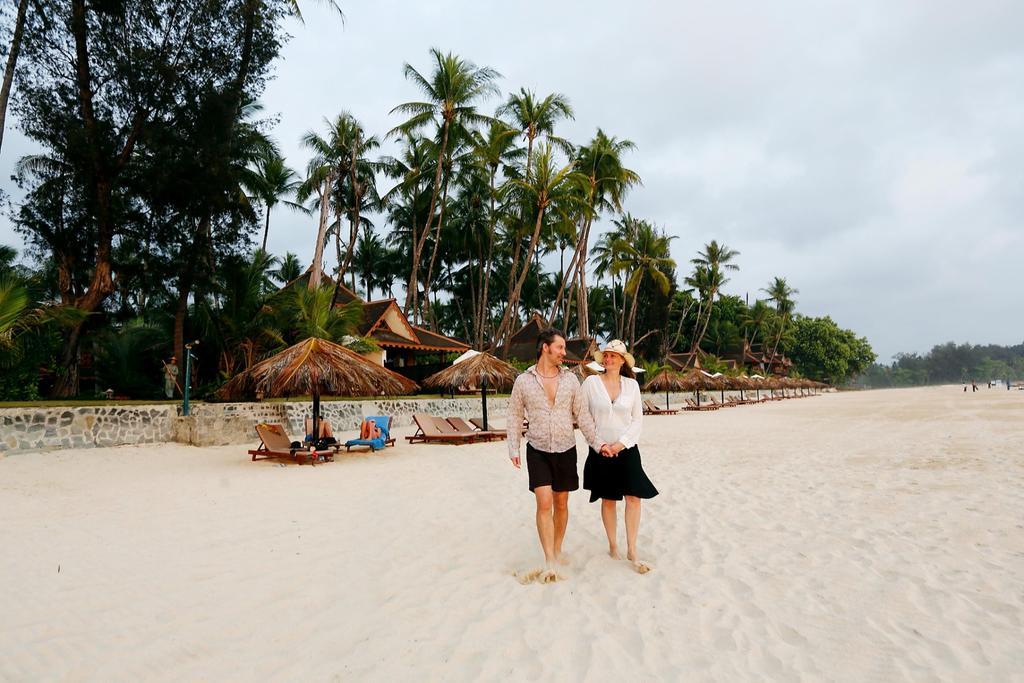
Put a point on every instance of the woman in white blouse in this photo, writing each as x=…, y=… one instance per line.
x=616, y=472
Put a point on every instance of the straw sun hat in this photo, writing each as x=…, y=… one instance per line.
x=615, y=346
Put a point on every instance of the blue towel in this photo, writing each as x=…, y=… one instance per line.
x=379, y=442
x=374, y=444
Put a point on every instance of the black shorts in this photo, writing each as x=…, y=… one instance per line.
x=557, y=470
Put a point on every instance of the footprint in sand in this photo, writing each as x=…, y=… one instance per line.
x=538, y=576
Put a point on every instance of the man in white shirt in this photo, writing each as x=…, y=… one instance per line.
x=549, y=397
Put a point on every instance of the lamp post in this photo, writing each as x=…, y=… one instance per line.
x=188, y=377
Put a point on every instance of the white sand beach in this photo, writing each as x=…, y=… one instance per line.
x=851, y=537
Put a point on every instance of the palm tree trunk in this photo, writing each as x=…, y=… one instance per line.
x=354, y=214
x=484, y=307
x=572, y=269
x=418, y=246
x=428, y=280
x=504, y=329
x=318, y=253
x=266, y=231
x=12, y=59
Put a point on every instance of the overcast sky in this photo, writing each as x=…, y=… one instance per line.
x=872, y=153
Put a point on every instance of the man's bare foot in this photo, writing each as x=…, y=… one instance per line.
x=613, y=552
x=638, y=566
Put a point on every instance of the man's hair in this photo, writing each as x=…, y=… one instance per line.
x=547, y=337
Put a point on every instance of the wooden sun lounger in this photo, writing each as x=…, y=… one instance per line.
x=429, y=431
x=478, y=422
x=651, y=409
x=693, y=405
x=463, y=427
x=720, y=405
x=275, y=444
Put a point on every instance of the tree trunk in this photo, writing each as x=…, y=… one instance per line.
x=418, y=246
x=504, y=329
x=428, y=280
x=572, y=269
x=353, y=214
x=484, y=307
x=266, y=230
x=12, y=59
x=66, y=381
x=318, y=254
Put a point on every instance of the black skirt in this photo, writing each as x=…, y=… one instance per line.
x=613, y=478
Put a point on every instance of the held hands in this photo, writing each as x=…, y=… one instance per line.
x=611, y=450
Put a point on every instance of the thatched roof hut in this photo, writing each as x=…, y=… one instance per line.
x=317, y=366
x=473, y=371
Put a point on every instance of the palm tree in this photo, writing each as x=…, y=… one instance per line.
x=757, y=320
x=553, y=189
x=533, y=118
x=274, y=182
x=451, y=94
x=313, y=315
x=709, y=278
x=336, y=159
x=779, y=291
x=290, y=268
x=608, y=181
x=12, y=59
x=492, y=151
x=369, y=260
x=645, y=256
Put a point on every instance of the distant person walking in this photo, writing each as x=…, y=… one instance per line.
x=615, y=472
x=171, y=377
x=549, y=397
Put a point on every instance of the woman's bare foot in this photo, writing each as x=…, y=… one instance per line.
x=613, y=552
x=549, y=576
x=638, y=566
x=562, y=559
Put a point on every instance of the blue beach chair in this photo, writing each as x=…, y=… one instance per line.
x=383, y=423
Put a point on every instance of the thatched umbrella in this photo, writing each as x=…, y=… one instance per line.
x=317, y=366
x=665, y=380
x=475, y=369
x=740, y=382
x=696, y=380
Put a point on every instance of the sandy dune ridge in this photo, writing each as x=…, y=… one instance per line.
x=852, y=537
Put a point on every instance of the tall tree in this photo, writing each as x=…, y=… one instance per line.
x=550, y=188
x=781, y=293
x=608, y=181
x=711, y=265
x=642, y=258
x=536, y=117
x=12, y=60
x=97, y=80
x=274, y=183
x=452, y=92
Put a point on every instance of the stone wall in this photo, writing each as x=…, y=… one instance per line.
x=31, y=429
x=210, y=424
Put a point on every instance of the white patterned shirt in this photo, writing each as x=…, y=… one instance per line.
x=551, y=426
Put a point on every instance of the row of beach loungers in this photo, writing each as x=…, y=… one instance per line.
x=730, y=402
x=276, y=444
